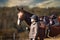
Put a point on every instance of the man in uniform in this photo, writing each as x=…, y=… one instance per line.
x=33, y=27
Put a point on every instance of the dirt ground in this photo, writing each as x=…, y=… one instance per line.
x=25, y=36
x=46, y=39
x=52, y=38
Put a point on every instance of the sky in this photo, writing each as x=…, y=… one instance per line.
x=30, y=3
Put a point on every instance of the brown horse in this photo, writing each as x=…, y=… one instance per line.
x=24, y=15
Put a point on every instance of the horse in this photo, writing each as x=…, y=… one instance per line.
x=26, y=16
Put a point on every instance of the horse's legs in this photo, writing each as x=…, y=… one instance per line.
x=42, y=34
x=47, y=31
x=39, y=38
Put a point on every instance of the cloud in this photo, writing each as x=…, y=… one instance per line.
x=30, y=3
x=41, y=4
x=49, y=3
x=11, y=3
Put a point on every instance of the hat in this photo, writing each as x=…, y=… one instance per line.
x=34, y=17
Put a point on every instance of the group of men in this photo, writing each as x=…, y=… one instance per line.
x=48, y=21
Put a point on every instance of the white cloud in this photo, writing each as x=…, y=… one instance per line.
x=11, y=3
x=49, y=3
x=32, y=3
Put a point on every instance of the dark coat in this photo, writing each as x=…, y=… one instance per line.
x=46, y=20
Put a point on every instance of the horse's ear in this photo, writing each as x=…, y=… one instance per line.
x=18, y=9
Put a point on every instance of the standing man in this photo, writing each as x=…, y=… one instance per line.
x=33, y=27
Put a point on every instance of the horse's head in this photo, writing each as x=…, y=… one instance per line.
x=24, y=15
x=20, y=15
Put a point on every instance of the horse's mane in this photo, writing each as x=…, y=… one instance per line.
x=29, y=13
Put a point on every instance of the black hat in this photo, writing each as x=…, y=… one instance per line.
x=34, y=17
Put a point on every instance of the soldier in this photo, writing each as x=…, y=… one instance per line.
x=33, y=27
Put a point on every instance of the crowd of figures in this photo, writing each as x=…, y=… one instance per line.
x=41, y=22
x=38, y=23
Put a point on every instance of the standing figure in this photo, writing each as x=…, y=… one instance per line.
x=51, y=23
x=33, y=27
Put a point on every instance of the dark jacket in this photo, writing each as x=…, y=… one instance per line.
x=46, y=20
